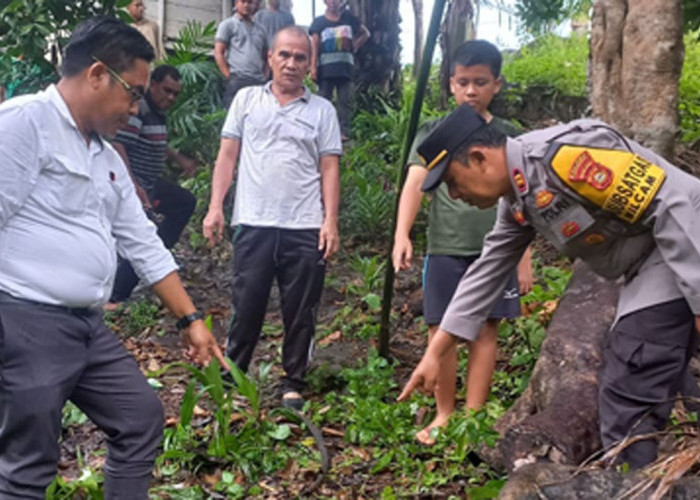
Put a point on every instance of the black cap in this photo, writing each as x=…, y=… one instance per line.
x=437, y=149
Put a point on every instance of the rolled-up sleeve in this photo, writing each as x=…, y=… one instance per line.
x=484, y=281
x=328, y=140
x=233, y=126
x=137, y=238
x=20, y=163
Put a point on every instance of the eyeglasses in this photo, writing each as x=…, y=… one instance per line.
x=135, y=93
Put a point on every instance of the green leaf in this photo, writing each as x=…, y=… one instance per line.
x=281, y=432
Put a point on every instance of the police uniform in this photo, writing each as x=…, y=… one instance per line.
x=627, y=213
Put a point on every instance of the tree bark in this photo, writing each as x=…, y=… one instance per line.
x=556, y=418
x=379, y=60
x=636, y=61
x=417, y=34
x=456, y=28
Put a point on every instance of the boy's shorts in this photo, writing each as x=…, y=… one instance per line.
x=441, y=275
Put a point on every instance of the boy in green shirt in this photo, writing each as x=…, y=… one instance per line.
x=455, y=237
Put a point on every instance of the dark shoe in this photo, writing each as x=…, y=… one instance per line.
x=293, y=400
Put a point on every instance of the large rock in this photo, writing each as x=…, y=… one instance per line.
x=556, y=418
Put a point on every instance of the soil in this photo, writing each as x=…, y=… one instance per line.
x=206, y=274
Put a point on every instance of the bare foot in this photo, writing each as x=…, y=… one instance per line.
x=111, y=306
x=427, y=435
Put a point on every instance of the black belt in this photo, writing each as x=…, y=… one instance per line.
x=6, y=298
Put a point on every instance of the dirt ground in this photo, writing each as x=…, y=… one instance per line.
x=206, y=274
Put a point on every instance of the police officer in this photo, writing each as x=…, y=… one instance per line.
x=607, y=200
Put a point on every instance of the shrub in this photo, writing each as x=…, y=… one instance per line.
x=550, y=61
x=689, y=89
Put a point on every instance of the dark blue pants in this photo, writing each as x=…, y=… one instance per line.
x=51, y=354
x=292, y=257
x=644, y=370
x=177, y=205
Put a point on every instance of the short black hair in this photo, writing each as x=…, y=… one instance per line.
x=475, y=52
x=488, y=136
x=164, y=70
x=108, y=39
x=294, y=29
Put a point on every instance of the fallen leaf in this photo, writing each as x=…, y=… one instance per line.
x=153, y=365
x=198, y=411
x=333, y=337
x=333, y=432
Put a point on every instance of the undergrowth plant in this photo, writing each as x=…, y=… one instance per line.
x=550, y=61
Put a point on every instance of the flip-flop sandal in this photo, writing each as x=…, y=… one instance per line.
x=296, y=403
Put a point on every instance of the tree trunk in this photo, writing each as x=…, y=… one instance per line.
x=456, y=28
x=556, y=418
x=379, y=60
x=417, y=34
x=636, y=61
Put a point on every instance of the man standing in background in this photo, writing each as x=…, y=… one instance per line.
x=286, y=143
x=149, y=29
x=240, y=50
x=143, y=145
x=337, y=36
x=273, y=19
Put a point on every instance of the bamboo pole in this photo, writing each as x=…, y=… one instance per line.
x=421, y=84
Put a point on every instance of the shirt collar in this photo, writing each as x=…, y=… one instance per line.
x=57, y=100
x=305, y=97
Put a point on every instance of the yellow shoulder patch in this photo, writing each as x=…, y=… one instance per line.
x=616, y=181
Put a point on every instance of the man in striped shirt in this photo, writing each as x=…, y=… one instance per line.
x=143, y=145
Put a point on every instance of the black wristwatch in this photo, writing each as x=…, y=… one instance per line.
x=188, y=319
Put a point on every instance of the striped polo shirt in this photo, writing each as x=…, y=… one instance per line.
x=145, y=139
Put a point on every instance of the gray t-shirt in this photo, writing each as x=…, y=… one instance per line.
x=273, y=21
x=279, y=182
x=246, y=46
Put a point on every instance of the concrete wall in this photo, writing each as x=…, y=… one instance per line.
x=173, y=15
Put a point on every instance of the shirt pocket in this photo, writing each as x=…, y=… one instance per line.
x=63, y=188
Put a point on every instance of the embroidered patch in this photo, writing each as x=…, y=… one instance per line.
x=619, y=182
x=586, y=169
x=520, y=182
x=519, y=217
x=543, y=198
x=594, y=239
x=570, y=228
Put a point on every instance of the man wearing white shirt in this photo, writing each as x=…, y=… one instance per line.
x=67, y=205
x=286, y=142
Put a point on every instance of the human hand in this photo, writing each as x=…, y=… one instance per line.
x=201, y=345
x=143, y=197
x=402, y=255
x=188, y=165
x=525, y=278
x=213, y=226
x=328, y=238
x=424, y=377
x=697, y=324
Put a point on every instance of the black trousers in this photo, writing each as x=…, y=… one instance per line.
x=51, y=354
x=292, y=257
x=235, y=83
x=177, y=205
x=645, y=368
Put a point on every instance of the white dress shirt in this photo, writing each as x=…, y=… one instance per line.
x=66, y=208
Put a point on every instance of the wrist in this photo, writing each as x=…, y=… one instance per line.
x=187, y=319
